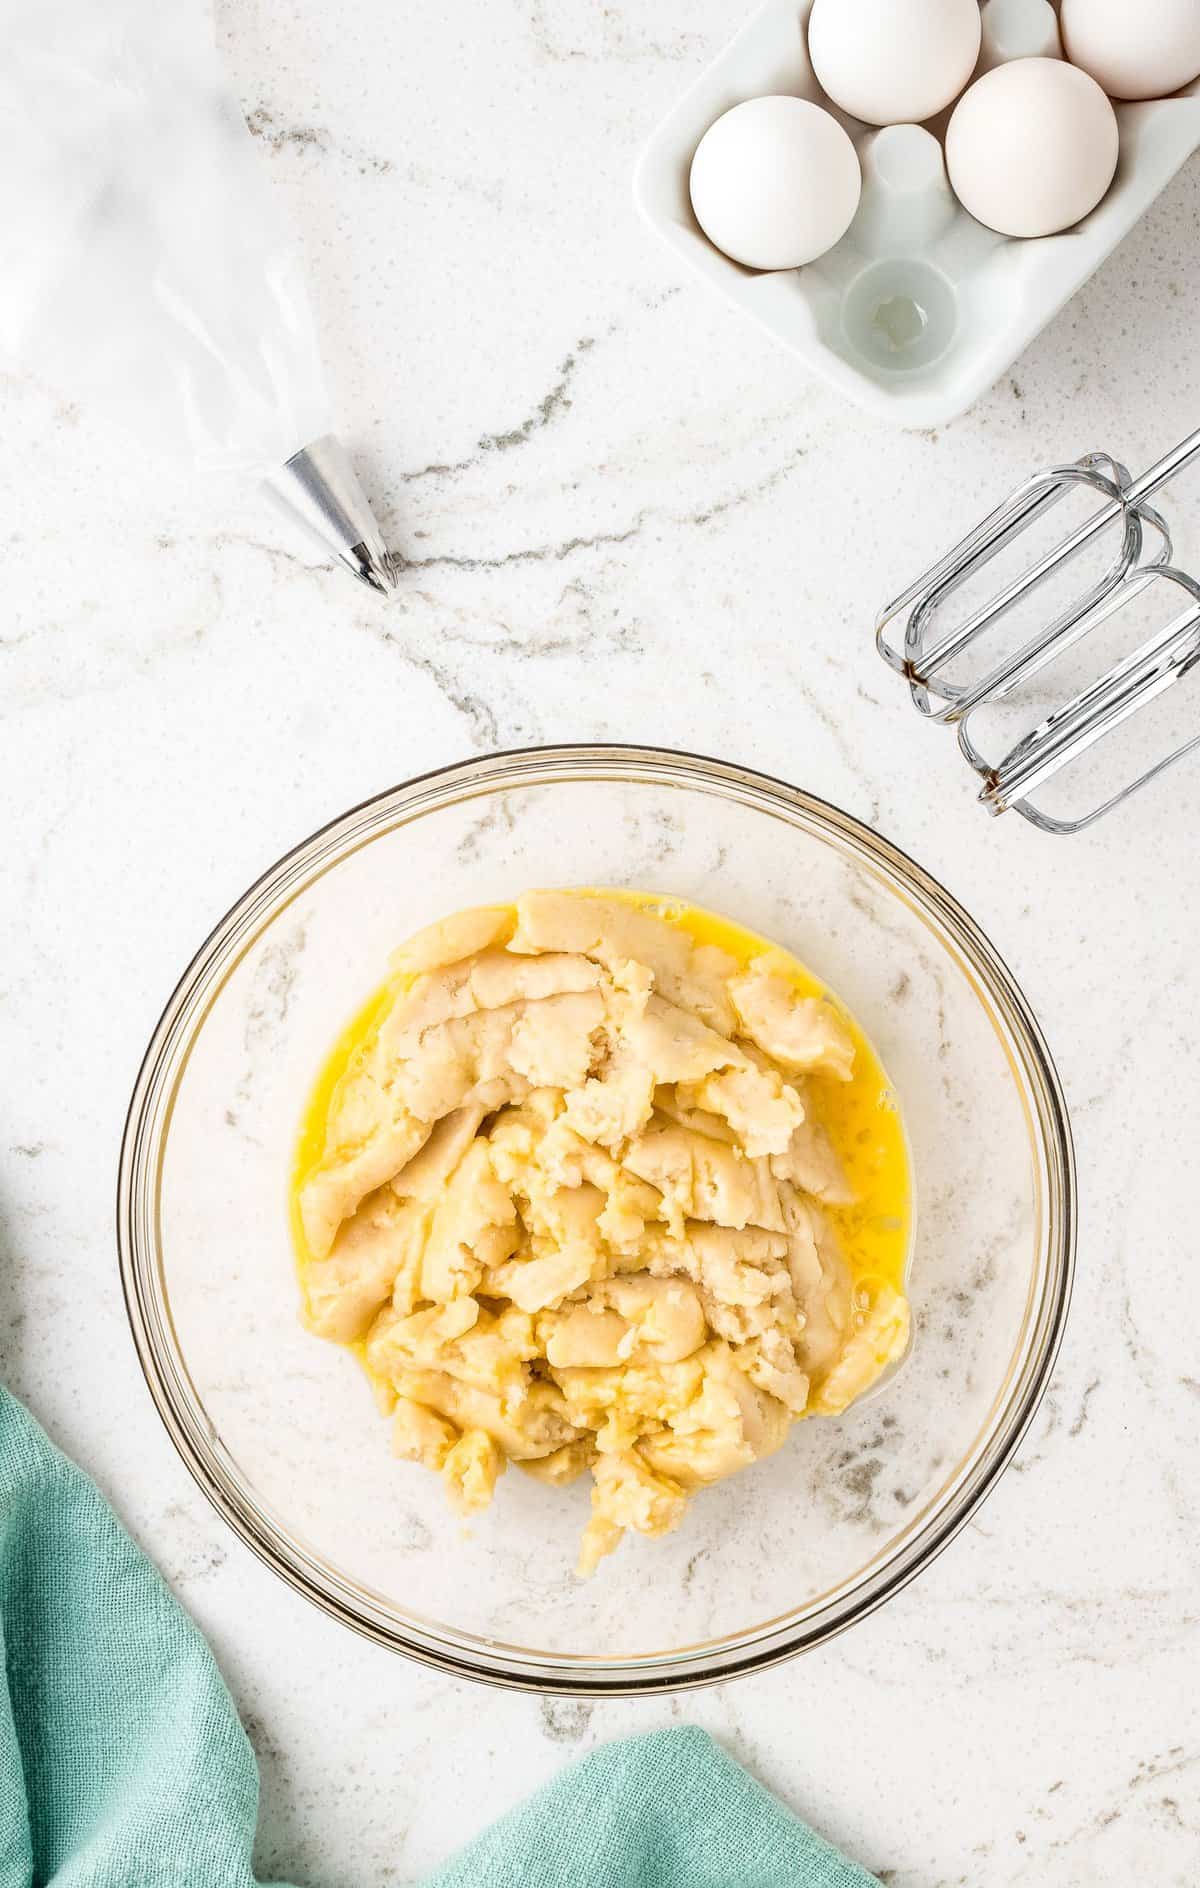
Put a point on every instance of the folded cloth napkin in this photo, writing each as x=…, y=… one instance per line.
x=123, y=1765
x=668, y=1810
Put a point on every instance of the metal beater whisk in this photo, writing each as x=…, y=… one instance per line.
x=1132, y=683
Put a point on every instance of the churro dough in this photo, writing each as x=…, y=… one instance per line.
x=569, y=1188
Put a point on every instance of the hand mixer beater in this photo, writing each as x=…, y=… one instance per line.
x=927, y=649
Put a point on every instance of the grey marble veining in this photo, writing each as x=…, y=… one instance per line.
x=622, y=514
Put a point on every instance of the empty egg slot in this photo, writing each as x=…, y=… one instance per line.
x=1017, y=29
x=900, y=314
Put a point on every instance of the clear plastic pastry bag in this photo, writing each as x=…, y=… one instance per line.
x=145, y=268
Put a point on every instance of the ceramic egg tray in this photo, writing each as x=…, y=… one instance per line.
x=919, y=308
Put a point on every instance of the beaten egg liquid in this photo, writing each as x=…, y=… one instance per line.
x=861, y=1116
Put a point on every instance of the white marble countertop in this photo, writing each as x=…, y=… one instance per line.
x=626, y=515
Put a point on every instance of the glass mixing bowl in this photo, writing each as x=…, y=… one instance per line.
x=280, y=1429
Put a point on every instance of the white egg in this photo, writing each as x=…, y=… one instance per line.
x=893, y=62
x=1134, y=48
x=1032, y=147
x=775, y=182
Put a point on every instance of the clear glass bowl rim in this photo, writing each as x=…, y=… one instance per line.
x=148, y=1121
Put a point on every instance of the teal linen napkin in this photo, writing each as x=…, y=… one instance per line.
x=122, y=1761
x=669, y=1810
x=123, y=1764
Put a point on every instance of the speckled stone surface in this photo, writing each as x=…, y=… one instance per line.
x=624, y=515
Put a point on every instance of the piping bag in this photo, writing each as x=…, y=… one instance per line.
x=145, y=268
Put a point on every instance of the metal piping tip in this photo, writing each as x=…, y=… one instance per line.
x=318, y=490
x=376, y=567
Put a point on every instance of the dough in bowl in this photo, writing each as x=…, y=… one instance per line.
x=599, y=1184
